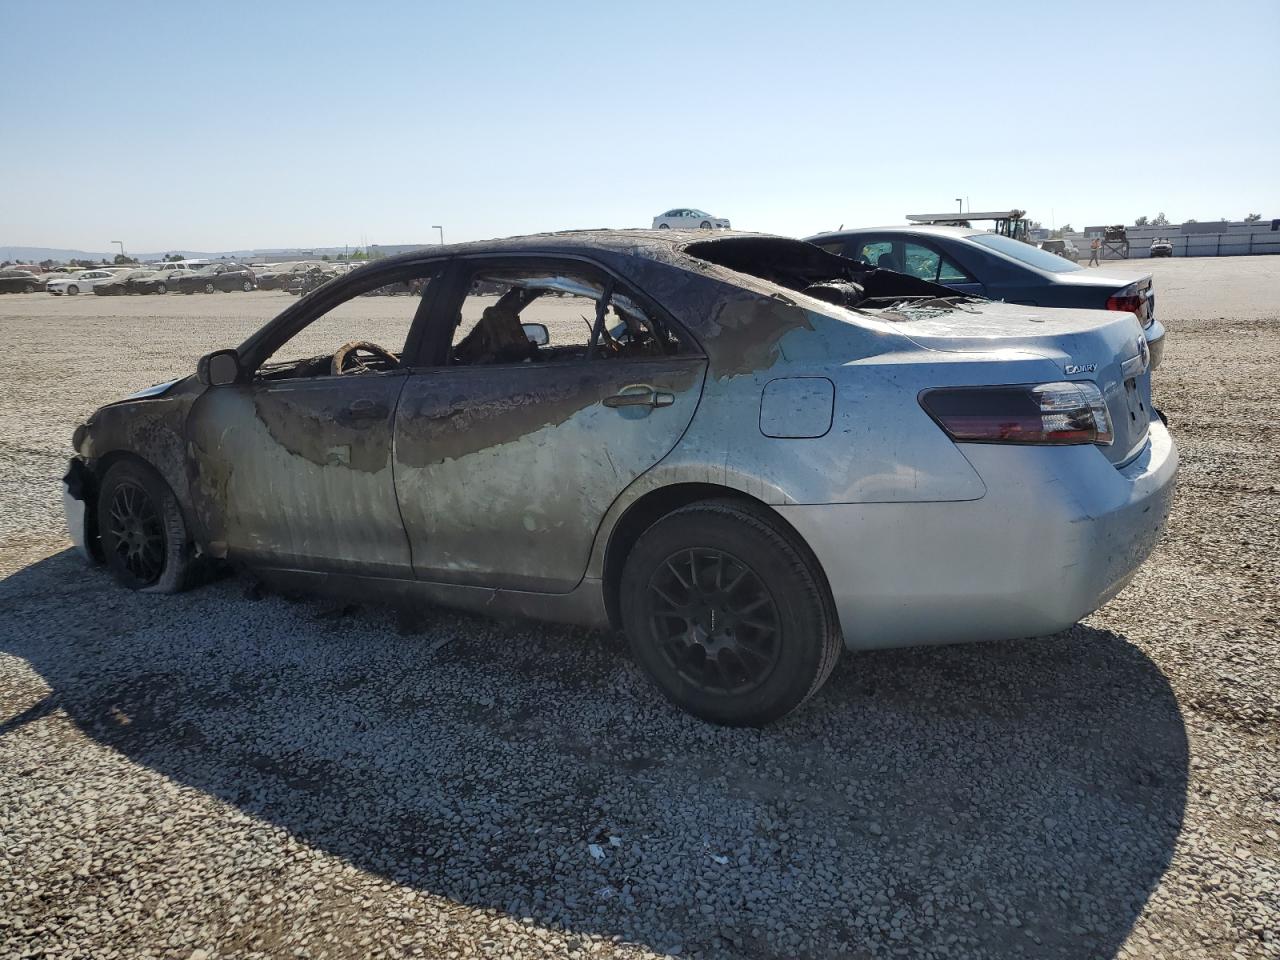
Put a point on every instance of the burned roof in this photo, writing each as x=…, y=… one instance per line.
x=654, y=243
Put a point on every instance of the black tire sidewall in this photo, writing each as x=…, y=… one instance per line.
x=178, y=548
x=786, y=574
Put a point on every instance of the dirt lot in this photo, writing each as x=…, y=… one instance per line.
x=217, y=776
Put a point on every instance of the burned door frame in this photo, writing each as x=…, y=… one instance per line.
x=299, y=471
x=475, y=445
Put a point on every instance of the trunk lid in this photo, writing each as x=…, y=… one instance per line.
x=1139, y=287
x=1105, y=346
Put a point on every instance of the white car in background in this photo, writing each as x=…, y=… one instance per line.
x=81, y=282
x=687, y=218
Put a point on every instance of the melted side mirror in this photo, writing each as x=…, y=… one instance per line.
x=537, y=333
x=219, y=368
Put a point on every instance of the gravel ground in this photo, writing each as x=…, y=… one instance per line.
x=215, y=775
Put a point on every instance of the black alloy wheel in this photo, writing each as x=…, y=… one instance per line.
x=714, y=620
x=135, y=534
x=142, y=532
x=728, y=612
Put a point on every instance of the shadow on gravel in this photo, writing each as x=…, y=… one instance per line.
x=1012, y=799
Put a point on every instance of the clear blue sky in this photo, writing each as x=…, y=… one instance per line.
x=225, y=125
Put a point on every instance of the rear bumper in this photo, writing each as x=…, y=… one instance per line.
x=1059, y=533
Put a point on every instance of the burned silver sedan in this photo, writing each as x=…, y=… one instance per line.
x=744, y=451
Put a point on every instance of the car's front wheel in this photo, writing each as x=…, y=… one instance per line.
x=247, y=286
x=73, y=290
x=728, y=614
x=705, y=225
x=144, y=537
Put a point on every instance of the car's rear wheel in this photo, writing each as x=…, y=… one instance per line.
x=144, y=537
x=73, y=289
x=247, y=286
x=664, y=226
x=209, y=288
x=161, y=288
x=728, y=613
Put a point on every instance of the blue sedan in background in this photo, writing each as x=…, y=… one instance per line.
x=1000, y=268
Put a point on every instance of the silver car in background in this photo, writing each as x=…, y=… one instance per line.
x=742, y=450
x=689, y=218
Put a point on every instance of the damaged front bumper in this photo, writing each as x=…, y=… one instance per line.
x=76, y=491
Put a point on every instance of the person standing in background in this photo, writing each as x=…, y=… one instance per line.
x=1094, y=246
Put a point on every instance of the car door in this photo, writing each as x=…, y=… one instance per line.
x=228, y=279
x=505, y=468
x=291, y=466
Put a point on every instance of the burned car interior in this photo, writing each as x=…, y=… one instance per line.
x=808, y=269
x=549, y=312
x=613, y=324
x=541, y=314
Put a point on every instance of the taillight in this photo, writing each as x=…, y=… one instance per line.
x=1054, y=413
x=1134, y=299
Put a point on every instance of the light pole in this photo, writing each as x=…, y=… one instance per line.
x=960, y=200
x=120, y=244
x=436, y=226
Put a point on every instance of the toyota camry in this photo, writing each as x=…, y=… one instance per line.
x=744, y=451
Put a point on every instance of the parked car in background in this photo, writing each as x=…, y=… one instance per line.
x=167, y=265
x=686, y=218
x=1063, y=248
x=1000, y=268
x=218, y=276
x=285, y=274
x=1161, y=248
x=20, y=281
x=755, y=454
x=140, y=280
x=300, y=284
x=81, y=282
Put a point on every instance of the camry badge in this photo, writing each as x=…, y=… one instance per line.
x=1080, y=367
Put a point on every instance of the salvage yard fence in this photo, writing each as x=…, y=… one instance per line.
x=1238, y=240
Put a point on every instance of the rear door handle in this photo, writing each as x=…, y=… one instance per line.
x=645, y=398
x=366, y=409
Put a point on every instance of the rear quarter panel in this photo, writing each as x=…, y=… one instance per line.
x=881, y=447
